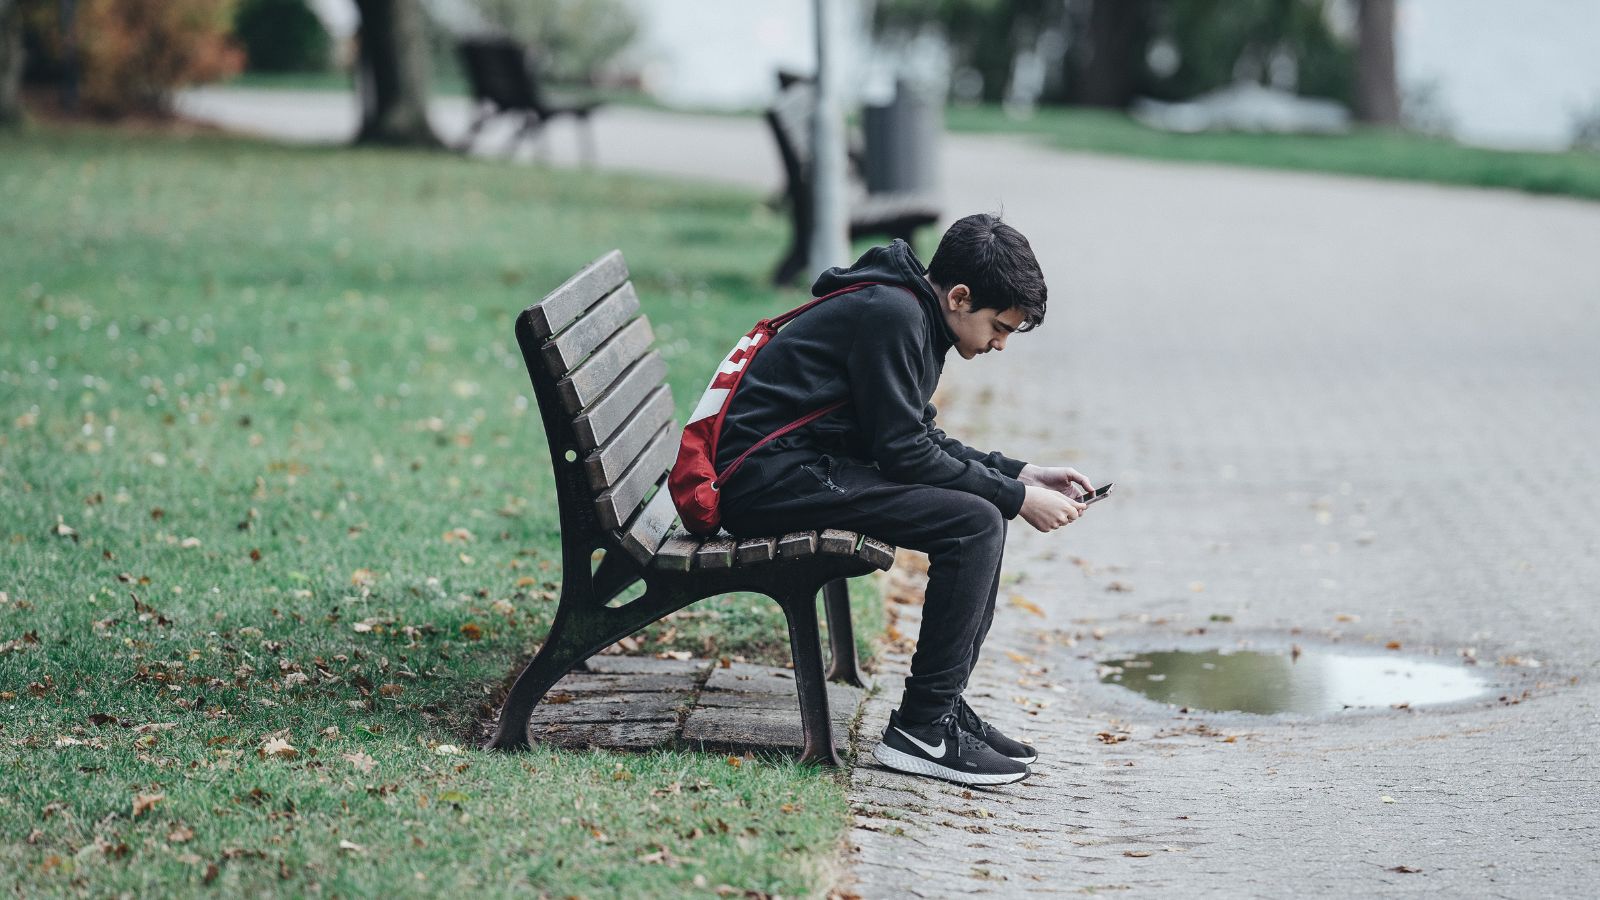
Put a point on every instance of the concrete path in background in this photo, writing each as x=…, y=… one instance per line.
x=1340, y=413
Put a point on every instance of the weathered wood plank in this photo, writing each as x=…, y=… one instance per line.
x=617, y=503
x=877, y=552
x=597, y=423
x=715, y=553
x=564, y=304
x=591, y=379
x=647, y=530
x=605, y=465
x=756, y=550
x=567, y=349
x=837, y=542
x=677, y=552
x=797, y=544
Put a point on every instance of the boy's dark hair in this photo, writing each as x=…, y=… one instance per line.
x=995, y=262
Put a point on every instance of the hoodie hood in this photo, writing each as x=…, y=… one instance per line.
x=895, y=264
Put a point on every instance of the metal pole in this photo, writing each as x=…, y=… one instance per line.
x=830, y=237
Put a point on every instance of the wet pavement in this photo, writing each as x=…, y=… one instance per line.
x=1340, y=413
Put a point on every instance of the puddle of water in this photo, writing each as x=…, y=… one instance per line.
x=1249, y=681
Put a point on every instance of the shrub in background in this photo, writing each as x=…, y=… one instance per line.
x=281, y=36
x=133, y=54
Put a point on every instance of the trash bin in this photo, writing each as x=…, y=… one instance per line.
x=902, y=141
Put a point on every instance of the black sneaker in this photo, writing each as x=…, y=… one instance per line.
x=944, y=749
x=991, y=735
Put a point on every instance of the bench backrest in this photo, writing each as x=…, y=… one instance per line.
x=602, y=392
x=790, y=120
x=498, y=70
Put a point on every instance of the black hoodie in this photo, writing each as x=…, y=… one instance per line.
x=881, y=348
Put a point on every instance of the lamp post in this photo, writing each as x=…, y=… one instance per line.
x=830, y=238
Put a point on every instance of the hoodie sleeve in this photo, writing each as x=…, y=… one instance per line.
x=994, y=459
x=885, y=367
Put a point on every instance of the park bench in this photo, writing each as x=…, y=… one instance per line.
x=504, y=84
x=897, y=215
x=609, y=419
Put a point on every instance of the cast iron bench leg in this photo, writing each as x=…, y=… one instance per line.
x=805, y=647
x=841, y=635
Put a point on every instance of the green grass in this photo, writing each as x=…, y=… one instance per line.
x=269, y=470
x=1374, y=153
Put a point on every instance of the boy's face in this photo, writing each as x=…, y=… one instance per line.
x=978, y=331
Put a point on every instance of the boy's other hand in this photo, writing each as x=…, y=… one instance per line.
x=1047, y=509
x=1064, y=479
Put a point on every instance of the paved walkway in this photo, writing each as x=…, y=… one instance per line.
x=1339, y=412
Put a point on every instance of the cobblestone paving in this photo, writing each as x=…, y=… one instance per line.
x=1339, y=413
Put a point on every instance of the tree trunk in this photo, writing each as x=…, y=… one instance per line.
x=392, y=74
x=10, y=63
x=1377, y=89
x=1112, y=61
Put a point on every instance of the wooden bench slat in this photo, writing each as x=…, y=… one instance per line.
x=649, y=528
x=877, y=552
x=597, y=423
x=605, y=465
x=797, y=544
x=617, y=503
x=567, y=349
x=563, y=305
x=756, y=550
x=715, y=553
x=677, y=552
x=591, y=379
x=837, y=542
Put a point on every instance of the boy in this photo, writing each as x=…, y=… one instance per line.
x=879, y=465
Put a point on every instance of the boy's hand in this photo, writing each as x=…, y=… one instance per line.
x=1067, y=480
x=1047, y=509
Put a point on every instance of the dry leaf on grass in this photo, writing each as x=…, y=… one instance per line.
x=361, y=762
x=279, y=748
x=143, y=803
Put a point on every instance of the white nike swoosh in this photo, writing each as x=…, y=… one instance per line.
x=930, y=749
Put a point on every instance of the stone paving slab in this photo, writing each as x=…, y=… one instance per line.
x=644, y=706
x=640, y=703
x=647, y=665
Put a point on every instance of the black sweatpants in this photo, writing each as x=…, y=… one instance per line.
x=963, y=534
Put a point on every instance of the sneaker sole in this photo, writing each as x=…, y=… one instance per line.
x=916, y=765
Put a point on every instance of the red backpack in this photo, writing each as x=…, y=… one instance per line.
x=694, y=480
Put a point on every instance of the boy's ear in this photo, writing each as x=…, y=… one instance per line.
x=958, y=295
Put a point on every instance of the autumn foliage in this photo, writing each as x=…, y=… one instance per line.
x=135, y=53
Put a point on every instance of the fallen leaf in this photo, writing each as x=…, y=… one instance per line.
x=361, y=762
x=1022, y=602
x=1388, y=799
x=458, y=535
x=1137, y=854
x=447, y=750
x=180, y=835
x=1120, y=587
x=363, y=577
x=351, y=847
x=143, y=803
x=1392, y=645
x=471, y=631
x=1404, y=870
x=279, y=748
x=735, y=761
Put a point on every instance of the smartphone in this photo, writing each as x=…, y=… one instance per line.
x=1099, y=493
